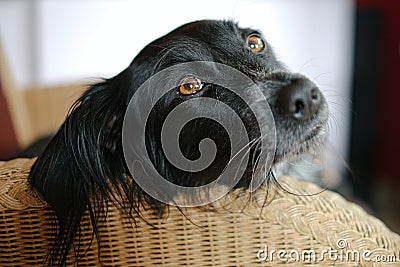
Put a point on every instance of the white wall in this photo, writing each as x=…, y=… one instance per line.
x=16, y=39
x=78, y=40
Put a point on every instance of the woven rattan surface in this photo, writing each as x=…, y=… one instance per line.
x=240, y=231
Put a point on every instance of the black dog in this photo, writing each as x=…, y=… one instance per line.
x=83, y=167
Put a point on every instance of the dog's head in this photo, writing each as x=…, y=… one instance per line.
x=299, y=109
x=84, y=164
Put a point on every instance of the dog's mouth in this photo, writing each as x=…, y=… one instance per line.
x=319, y=131
x=310, y=141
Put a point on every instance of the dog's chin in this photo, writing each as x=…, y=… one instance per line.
x=312, y=141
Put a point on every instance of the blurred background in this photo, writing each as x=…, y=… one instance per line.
x=50, y=50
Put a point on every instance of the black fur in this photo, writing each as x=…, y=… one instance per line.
x=83, y=167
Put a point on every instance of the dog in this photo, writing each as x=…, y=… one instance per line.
x=84, y=166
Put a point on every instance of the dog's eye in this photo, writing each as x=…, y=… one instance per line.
x=255, y=43
x=190, y=85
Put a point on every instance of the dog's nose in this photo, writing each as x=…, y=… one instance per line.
x=300, y=99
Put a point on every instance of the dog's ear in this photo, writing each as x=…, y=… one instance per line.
x=83, y=163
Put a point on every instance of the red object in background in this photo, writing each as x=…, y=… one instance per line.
x=389, y=92
x=8, y=140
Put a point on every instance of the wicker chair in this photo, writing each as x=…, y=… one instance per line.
x=240, y=231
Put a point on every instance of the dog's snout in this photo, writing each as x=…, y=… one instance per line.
x=300, y=99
